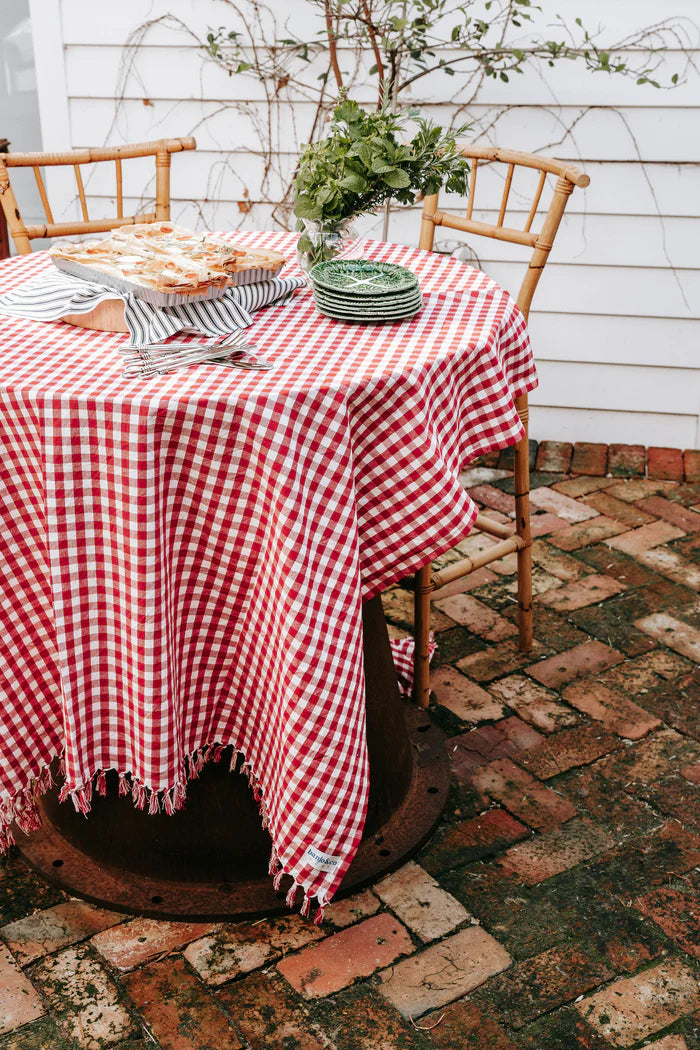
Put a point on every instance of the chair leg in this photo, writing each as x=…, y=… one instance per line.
x=522, y=524
x=421, y=652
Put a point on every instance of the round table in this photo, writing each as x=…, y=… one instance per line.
x=187, y=564
x=189, y=866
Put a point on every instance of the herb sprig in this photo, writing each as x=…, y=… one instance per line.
x=366, y=159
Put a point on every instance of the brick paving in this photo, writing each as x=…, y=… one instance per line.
x=556, y=907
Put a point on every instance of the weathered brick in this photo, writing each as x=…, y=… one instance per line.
x=647, y=860
x=674, y=703
x=688, y=495
x=691, y=465
x=47, y=931
x=645, y=672
x=687, y=520
x=443, y=972
x=555, y=632
x=348, y=910
x=640, y=488
x=139, y=940
x=617, y=564
x=676, y=797
x=588, y=591
x=670, y=1042
x=561, y=1030
x=23, y=891
x=636, y=541
x=562, y=506
x=557, y=563
x=428, y=911
x=544, y=523
x=587, y=532
x=179, y=1010
x=235, y=950
x=665, y=463
x=498, y=660
x=490, y=496
x=603, y=923
x=567, y=749
x=605, y=804
x=43, y=1034
x=674, y=633
x=337, y=961
x=477, y=617
x=589, y=658
x=467, y=1026
x=503, y=595
x=359, y=1018
x=675, y=908
x=650, y=760
x=692, y=773
x=538, y=985
x=482, y=745
x=520, y=917
x=471, y=840
x=554, y=456
x=83, y=998
x=590, y=458
x=636, y=1007
x=464, y=698
x=268, y=1013
x=625, y=461
x=615, y=711
x=673, y=565
x=554, y=851
x=530, y=801
x=582, y=485
x=610, y=623
x=533, y=703
x=19, y=1003
x=627, y=513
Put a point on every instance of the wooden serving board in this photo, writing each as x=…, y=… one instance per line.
x=108, y=316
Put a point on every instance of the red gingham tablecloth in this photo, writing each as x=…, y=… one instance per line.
x=185, y=557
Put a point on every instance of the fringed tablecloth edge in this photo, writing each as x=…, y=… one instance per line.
x=22, y=808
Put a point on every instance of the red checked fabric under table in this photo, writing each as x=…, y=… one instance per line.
x=185, y=557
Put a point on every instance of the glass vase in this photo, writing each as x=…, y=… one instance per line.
x=319, y=242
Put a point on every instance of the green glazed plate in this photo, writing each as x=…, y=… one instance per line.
x=371, y=311
x=362, y=277
x=342, y=315
x=356, y=303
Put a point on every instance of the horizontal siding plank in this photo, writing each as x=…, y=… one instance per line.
x=80, y=25
x=614, y=388
x=178, y=71
x=655, y=342
x=555, y=423
x=610, y=290
x=626, y=135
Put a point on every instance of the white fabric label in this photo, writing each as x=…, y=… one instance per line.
x=320, y=861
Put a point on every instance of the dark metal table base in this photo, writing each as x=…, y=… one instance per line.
x=209, y=861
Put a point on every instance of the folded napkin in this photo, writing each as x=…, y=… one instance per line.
x=53, y=294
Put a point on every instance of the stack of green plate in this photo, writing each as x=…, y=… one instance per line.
x=364, y=291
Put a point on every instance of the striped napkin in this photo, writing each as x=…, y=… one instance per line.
x=53, y=294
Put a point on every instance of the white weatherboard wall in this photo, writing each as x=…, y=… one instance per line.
x=615, y=324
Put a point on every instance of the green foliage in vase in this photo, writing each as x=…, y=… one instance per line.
x=367, y=158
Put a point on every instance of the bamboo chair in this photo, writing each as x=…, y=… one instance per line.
x=23, y=234
x=516, y=538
